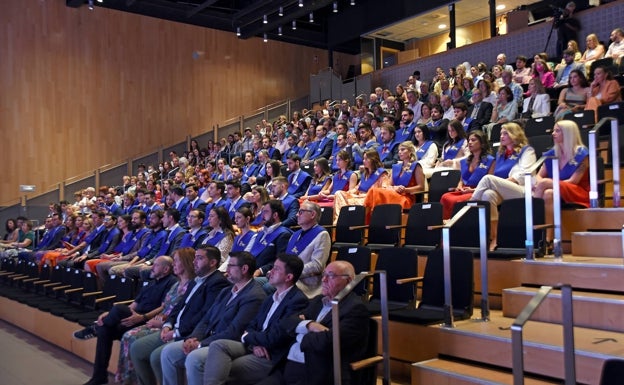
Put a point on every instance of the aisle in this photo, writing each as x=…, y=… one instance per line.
x=27, y=360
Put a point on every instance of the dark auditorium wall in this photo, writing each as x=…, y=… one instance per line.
x=82, y=89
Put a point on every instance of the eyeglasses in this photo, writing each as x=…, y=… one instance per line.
x=334, y=275
x=233, y=265
x=301, y=211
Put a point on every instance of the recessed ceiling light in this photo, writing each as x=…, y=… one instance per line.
x=442, y=26
x=500, y=7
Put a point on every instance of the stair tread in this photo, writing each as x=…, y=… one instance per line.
x=576, y=294
x=543, y=334
x=466, y=371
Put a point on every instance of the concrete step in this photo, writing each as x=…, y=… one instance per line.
x=591, y=310
x=490, y=343
x=591, y=273
x=597, y=244
x=447, y=372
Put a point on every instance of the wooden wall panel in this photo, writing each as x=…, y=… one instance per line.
x=82, y=89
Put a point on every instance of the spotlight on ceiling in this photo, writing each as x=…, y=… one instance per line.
x=279, y=30
x=335, y=7
x=265, y=20
x=300, y=3
x=265, y=38
x=294, y=25
x=281, y=11
x=238, y=33
x=311, y=17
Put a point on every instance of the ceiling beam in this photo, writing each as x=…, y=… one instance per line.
x=200, y=8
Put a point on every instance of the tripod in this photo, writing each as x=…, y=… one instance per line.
x=552, y=27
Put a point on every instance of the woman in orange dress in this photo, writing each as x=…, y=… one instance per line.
x=407, y=179
x=372, y=175
x=603, y=90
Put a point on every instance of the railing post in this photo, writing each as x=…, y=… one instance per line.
x=448, y=296
x=593, y=171
x=528, y=204
x=568, y=335
x=615, y=161
x=485, y=305
x=558, y=252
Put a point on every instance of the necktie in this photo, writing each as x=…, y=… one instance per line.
x=384, y=149
x=475, y=110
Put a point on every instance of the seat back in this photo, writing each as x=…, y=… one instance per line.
x=583, y=119
x=350, y=216
x=512, y=229
x=539, y=126
x=360, y=258
x=382, y=216
x=462, y=282
x=441, y=182
x=327, y=216
x=398, y=262
x=465, y=232
x=613, y=110
x=541, y=144
x=419, y=218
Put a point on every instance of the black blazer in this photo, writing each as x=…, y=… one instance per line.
x=201, y=300
x=483, y=116
x=274, y=338
x=317, y=347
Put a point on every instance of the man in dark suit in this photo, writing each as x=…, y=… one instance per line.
x=480, y=112
x=264, y=344
x=309, y=360
x=112, y=325
x=199, y=296
x=227, y=318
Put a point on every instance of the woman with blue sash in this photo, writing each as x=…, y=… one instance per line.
x=426, y=150
x=321, y=180
x=372, y=175
x=573, y=169
x=242, y=220
x=454, y=149
x=513, y=158
x=343, y=180
x=221, y=234
x=407, y=179
x=258, y=196
x=473, y=168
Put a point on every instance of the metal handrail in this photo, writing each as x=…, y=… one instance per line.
x=568, y=334
x=446, y=249
x=615, y=161
x=528, y=202
x=385, y=344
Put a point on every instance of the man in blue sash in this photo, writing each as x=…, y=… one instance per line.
x=181, y=203
x=291, y=204
x=406, y=129
x=339, y=145
x=272, y=239
x=367, y=142
x=389, y=149
x=267, y=144
x=196, y=233
x=235, y=200
x=298, y=180
x=249, y=169
x=313, y=245
x=322, y=147
x=216, y=190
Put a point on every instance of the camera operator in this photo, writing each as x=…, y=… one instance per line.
x=567, y=26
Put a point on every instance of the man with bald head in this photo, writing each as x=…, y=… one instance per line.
x=112, y=325
x=310, y=356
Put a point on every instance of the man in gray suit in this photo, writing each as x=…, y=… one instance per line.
x=564, y=71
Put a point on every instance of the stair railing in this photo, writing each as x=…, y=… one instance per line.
x=528, y=202
x=385, y=344
x=593, y=165
x=568, y=334
x=446, y=248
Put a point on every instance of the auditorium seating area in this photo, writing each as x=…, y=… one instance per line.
x=51, y=301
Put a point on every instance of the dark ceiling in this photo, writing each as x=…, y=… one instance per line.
x=336, y=31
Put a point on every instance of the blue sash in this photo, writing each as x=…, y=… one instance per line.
x=401, y=177
x=504, y=165
x=299, y=242
x=214, y=240
x=451, y=151
x=357, y=158
x=367, y=183
x=125, y=245
x=241, y=241
x=472, y=178
x=385, y=149
x=341, y=181
x=423, y=150
x=405, y=133
x=316, y=188
x=570, y=167
x=318, y=149
x=263, y=240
